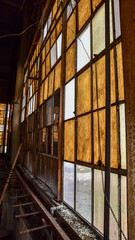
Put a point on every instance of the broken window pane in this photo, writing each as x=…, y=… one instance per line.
x=98, y=200
x=59, y=46
x=70, y=99
x=83, y=48
x=83, y=191
x=98, y=28
x=124, y=205
x=68, y=184
x=122, y=136
x=114, y=205
x=117, y=18
x=71, y=29
x=53, y=55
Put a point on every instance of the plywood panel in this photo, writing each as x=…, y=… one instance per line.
x=114, y=138
x=47, y=46
x=71, y=28
x=84, y=138
x=69, y=140
x=84, y=12
x=100, y=69
x=57, y=76
x=113, y=81
x=95, y=3
x=48, y=63
x=98, y=144
x=43, y=54
x=70, y=63
x=43, y=71
x=45, y=88
x=53, y=37
x=120, y=71
x=84, y=92
x=59, y=27
x=51, y=82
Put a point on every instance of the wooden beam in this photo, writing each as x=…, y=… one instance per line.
x=10, y=3
x=22, y=204
x=128, y=51
x=34, y=229
x=27, y=214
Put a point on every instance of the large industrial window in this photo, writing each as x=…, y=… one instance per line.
x=79, y=68
x=85, y=115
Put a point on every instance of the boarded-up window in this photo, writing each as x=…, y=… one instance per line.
x=84, y=12
x=70, y=63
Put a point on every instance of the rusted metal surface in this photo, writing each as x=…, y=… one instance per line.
x=128, y=50
x=55, y=227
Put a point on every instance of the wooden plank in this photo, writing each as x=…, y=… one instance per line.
x=6, y=185
x=28, y=214
x=22, y=204
x=34, y=229
x=21, y=196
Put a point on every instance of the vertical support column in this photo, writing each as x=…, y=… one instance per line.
x=108, y=124
x=5, y=126
x=128, y=50
x=61, y=106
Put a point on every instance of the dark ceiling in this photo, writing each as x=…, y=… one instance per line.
x=10, y=22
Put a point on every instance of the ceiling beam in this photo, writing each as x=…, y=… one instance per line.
x=13, y=4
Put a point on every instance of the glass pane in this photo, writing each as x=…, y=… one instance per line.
x=117, y=18
x=83, y=191
x=45, y=31
x=69, y=140
x=84, y=11
x=83, y=48
x=98, y=200
x=84, y=92
x=111, y=22
x=59, y=46
x=122, y=136
x=68, y=184
x=124, y=205
x=49, y=111
x=70, y=99
x=71, y=28
x=98, y=28
x=53, y=55
x=114, y=205
x=70, y=63
x=84, y=138
x=70, y=7
x=55, y=140
x=49, y=20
